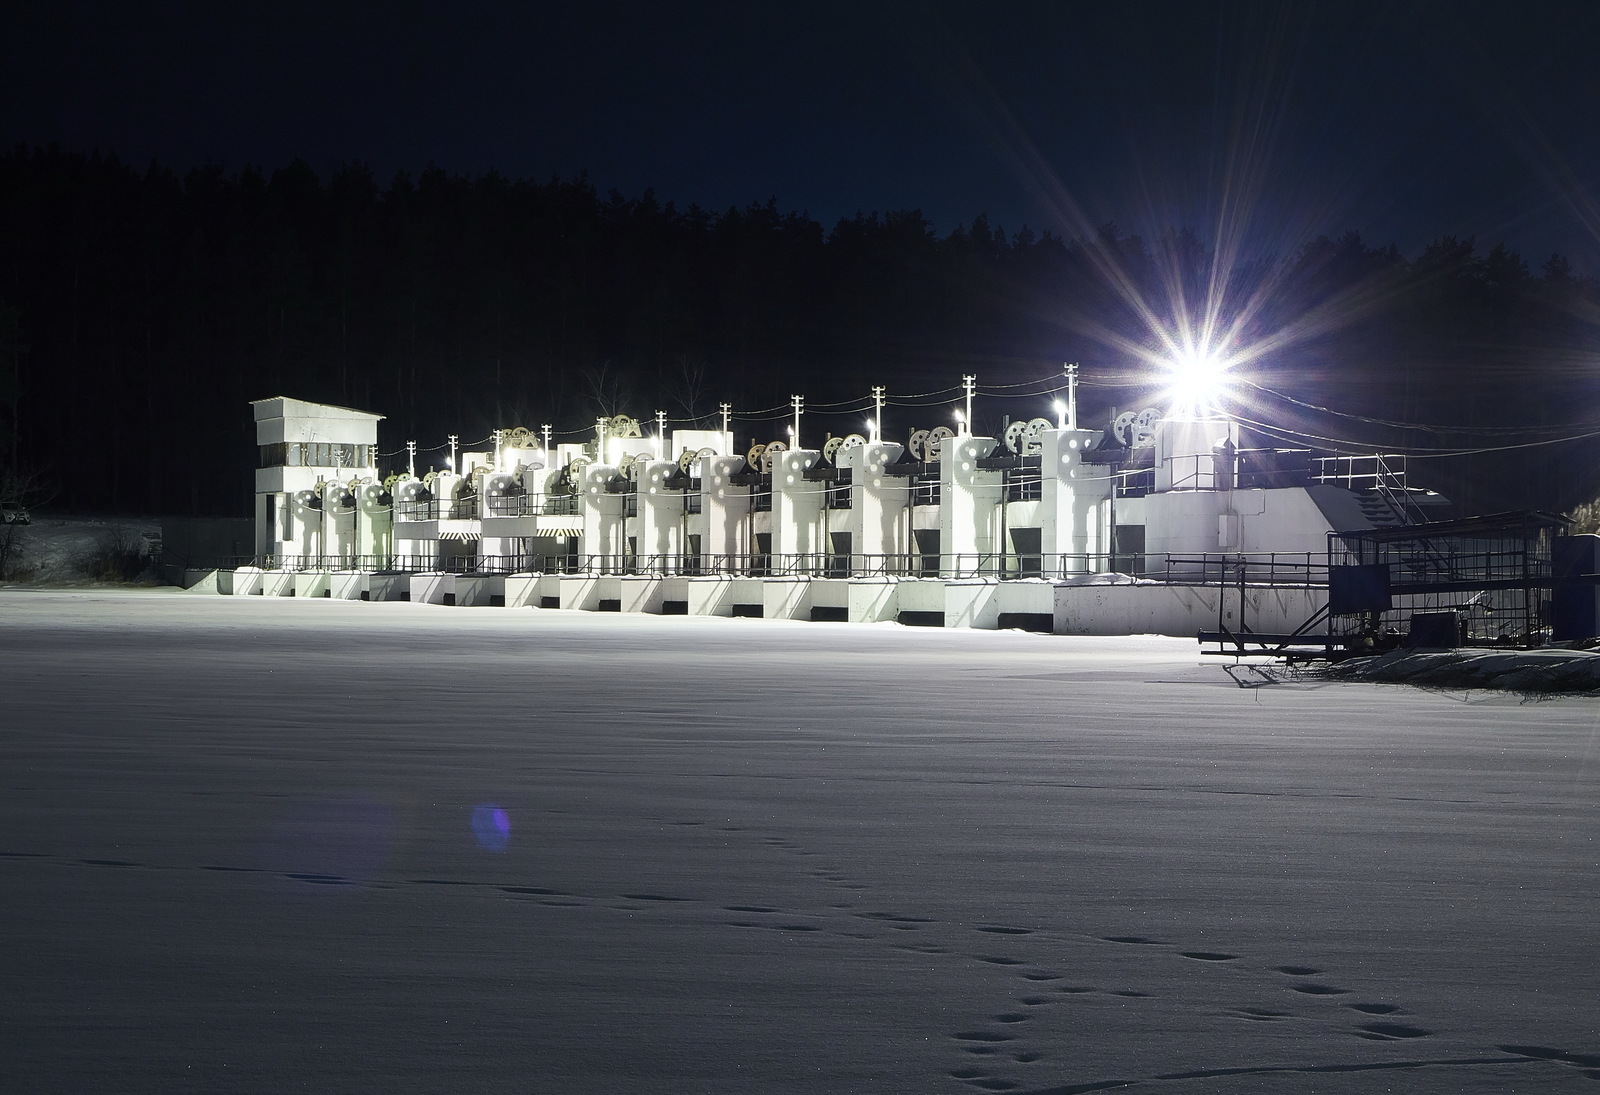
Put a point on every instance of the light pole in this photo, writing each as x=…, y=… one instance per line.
x=1072, y=395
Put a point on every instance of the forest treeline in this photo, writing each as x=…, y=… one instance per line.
x=141, y=309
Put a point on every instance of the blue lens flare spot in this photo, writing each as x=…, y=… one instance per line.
x=492, y=827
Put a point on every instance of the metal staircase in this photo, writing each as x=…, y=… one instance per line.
x=1380, y=508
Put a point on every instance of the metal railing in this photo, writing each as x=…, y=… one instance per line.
x=1133, y=482
x=515, y=505
x=1193, y=471
x=314, y=562
x=1283, y=569
x=464, y=508
x=1025, y=485
x=1303, y=570
x=1371, y=472
x=1381, y=473
x=502, y=505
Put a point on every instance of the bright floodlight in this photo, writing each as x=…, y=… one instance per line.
x=1195, y=381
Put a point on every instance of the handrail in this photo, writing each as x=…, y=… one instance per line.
x=1304, y=570
x=464, y=508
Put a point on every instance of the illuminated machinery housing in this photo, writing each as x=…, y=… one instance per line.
x=1151, y=524
x=318, y=501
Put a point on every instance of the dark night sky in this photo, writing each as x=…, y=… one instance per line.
x=1266, y=123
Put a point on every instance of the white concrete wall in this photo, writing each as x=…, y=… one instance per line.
x=602, y=514
x=830, y=592
x=1073, y=511
x=873, y=600
x=710, y=596
x=920, y=595
x=311, y=583
x=283, y=419
x=522, y=590
x=389, y=587
x=1183, y=523
x=347, y=585
x=1037, y=597
x=1278, y=519
x=1183, y=611
x=581, y=591
x=431, y=588
x=641, y=594
x=277, y=583
x=549, y=586
x=672, y=589
x=339, y=532
x=725, y=507
x=375, y=523
x=1183, y=451
x=969, y=501
x=796, y=504
x=479, y=589
x=658, y=528
x=302, y=522
x=786, y=599
x=1296, y=518
x=972, y=603
x=878, y=514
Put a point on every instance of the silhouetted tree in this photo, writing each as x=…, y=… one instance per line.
x=142, y=310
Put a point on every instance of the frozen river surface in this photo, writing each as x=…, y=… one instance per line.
x=260, y=845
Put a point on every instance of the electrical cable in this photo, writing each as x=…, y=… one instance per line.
x=1025, y=383
x=1413, y=452
x=1412, y=425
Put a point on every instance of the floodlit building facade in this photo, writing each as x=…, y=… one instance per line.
x=1153, y=524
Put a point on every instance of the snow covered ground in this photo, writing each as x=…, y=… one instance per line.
x=261, y=844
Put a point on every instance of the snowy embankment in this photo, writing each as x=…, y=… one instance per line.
x=271, y=844
x=56, y=550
